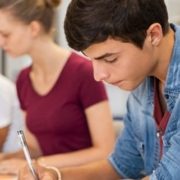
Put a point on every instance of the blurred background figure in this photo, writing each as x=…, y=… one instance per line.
x=68, y=118
x=11, y=118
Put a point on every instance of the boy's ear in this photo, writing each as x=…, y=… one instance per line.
x=155, y=34
x=35, y=28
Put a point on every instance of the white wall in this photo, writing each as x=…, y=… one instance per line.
x=173, y=7
x=62, y=11
x=13, y=66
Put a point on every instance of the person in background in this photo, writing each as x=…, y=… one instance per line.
x=11, y=120
x=11, y=117
x=133, y=46
x=68, y=118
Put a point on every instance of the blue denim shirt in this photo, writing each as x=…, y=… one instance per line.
x=137, y=150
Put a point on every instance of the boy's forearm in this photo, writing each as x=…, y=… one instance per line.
x=97, y=170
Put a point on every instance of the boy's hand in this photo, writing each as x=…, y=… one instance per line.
x=43, y=173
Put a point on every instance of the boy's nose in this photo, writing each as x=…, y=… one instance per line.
x=99, y=71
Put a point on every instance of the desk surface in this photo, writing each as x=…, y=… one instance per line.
x=7, y=177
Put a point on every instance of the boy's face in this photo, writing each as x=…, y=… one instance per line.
x=121, y=64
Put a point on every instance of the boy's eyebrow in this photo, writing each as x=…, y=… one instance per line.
x=102, y=56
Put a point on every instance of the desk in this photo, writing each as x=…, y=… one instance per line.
x=7, y=177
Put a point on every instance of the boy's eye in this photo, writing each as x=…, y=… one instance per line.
x=5, y=35
x=110, y=60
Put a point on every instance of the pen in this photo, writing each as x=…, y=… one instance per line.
x=27, y=153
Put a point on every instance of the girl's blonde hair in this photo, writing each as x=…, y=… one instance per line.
x=27, y=11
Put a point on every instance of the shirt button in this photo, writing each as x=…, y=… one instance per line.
x=158, y=134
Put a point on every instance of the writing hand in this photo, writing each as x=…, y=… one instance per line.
x=43, y=173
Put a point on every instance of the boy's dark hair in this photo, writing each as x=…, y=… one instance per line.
x=93, y=21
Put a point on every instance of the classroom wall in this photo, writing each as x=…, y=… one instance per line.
x=173, y=7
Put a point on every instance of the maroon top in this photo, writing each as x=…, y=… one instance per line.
x=58, y=119
x=160, y=117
